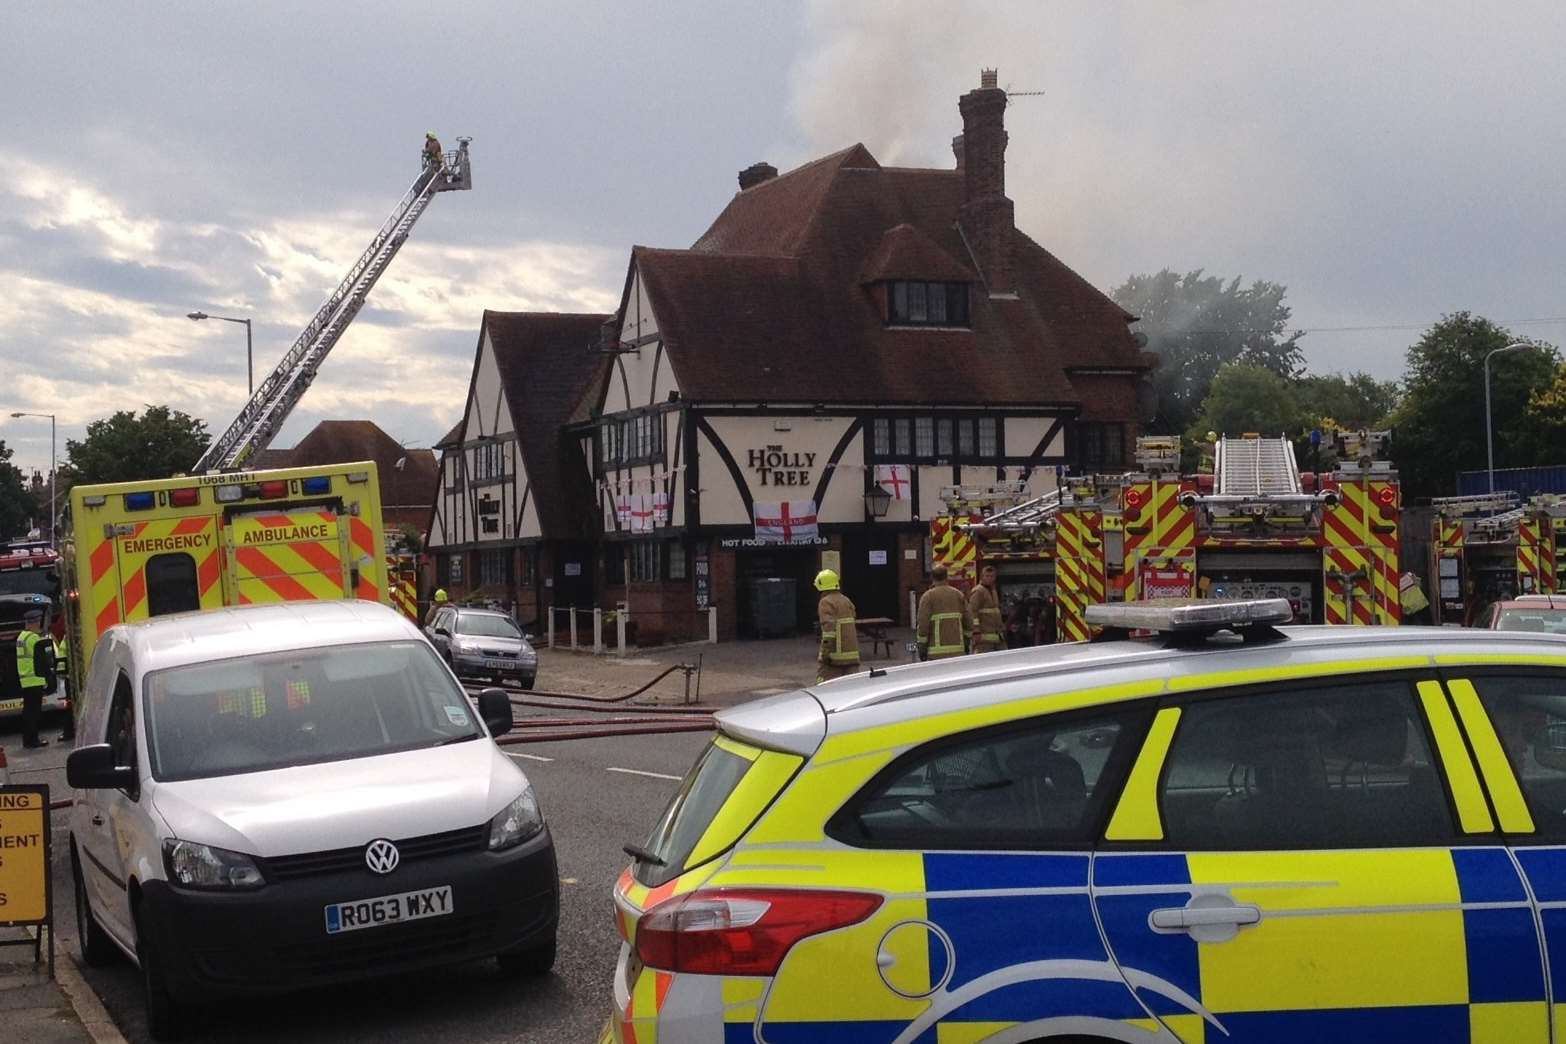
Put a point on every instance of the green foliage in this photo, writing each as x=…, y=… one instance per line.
x=17, y=507
x=1547, y=413
x=1440, y=426
x=1246, y=397
x=1347, y=403
x=1198, y=324
x=127, y=448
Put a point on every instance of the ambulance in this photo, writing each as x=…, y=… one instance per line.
x=136, y=550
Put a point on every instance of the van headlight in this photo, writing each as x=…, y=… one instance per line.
x=202, y=866
x=516, y=822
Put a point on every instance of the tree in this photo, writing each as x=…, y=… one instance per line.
x=1439, y=428
x=1347, y=403
x=17, y=507
x=1197, y=324
x=127, y=448
x=1246, y=397
x=1547, y=418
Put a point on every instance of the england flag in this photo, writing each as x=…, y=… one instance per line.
x=786, y=522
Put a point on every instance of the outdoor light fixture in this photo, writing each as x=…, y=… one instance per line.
x=878, y=502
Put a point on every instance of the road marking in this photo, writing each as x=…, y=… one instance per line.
x=639, y=772
x=530, y=757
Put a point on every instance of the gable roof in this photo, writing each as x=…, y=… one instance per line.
x=550, y=373
x=771, y=303
x=344, y=441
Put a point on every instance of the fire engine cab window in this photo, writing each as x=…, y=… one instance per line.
x=171, y=584
x=1338, y=767
x=1015, y=788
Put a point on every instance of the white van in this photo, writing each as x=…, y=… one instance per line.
x=300, y=794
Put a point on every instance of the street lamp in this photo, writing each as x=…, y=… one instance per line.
x=250, y=372
x=878, y=501
x=53, y=481
x=1489, y=441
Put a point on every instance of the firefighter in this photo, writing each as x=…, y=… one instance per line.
x=839, y=655
x=35, y=671
x=984, y=614
x=436, y=603
x=433, y=157
x=943, y=619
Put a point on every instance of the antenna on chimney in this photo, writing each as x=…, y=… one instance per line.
x=1010, y=94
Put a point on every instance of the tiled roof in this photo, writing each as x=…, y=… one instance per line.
x=345, y=441
x=770, y=303
x=551, y=374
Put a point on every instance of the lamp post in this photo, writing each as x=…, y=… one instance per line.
x=52, y=477
x=877, y=501
x=250, y=372
x=1489, y=440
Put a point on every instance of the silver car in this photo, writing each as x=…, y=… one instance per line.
x=483, y=642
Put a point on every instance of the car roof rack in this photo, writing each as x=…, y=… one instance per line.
x=1191, y=621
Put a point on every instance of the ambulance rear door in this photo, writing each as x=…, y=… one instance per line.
x=289, y=555
x=163, y=565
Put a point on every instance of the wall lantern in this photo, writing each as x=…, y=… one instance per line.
x=878, y=502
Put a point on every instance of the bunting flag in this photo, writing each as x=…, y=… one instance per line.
x=660, y=508
x=641, y=513
x=894, y=479
x=622, y=510
x=786, y=522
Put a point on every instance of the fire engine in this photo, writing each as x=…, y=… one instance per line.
x=1256, y=526
x=1491, y=546
x=29, y=578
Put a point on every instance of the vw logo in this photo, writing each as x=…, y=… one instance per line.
x=382, y=856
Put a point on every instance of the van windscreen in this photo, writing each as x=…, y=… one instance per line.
x=301, y=707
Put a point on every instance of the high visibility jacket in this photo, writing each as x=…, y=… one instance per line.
x=989, y=627
x=34, y=660
x=839, y=636
x=943, y=621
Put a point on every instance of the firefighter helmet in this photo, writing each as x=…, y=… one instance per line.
x=826, y=580
x=440, y=594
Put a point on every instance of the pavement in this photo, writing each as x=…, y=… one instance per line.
x=597, y=794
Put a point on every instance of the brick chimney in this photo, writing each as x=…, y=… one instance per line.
x=987, y=217
x=755, y=174
x=957, y=150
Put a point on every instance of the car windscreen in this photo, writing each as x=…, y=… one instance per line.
x=301, y=707
x=1539, y=619
x=29, y=581
x=486, y=626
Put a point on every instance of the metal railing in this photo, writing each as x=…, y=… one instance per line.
x=615, y=631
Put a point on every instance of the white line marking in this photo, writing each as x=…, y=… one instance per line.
x=530, y=757
x=639, y=772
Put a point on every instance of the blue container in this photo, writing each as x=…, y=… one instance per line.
x=1525, y=482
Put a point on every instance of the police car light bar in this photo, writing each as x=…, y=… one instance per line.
x=1190, y=615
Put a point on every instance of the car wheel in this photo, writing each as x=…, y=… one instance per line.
x=530, y=960
x=525, y=681
x=92, y=941
x=163, y=1016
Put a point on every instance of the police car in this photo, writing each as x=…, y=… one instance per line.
x=1226, y=831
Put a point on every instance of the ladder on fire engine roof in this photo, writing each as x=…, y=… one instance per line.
x=1482, y=505
x=1025, y=515
x=1252, y=466
x=280, y=391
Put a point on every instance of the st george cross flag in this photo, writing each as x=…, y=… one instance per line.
x=786, y=522
x=894, y=479
x=642, y=513
x=660, y=509
x=622, y=510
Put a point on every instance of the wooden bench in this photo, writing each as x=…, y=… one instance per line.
x=873, y=630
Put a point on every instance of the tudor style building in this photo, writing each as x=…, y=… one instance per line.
x=841, y=332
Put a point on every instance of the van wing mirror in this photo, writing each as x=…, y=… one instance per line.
x=93, y=768
x=443, y=632
x=495, y=708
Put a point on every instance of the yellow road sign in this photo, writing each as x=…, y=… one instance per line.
x=24, y=855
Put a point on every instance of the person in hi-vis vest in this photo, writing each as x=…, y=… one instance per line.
x=943, y=619
x=839, y=653
x=989, y=627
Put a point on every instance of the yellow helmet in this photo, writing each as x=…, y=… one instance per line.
x=440, y=595
x=826, y=580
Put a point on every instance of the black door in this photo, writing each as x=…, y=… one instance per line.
x=574, y=575
x=870, y=571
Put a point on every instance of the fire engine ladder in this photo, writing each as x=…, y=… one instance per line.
x=281, y=390
x=1253, y=467
x=1475, y=505
x=1026, y=515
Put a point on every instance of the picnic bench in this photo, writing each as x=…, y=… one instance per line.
x=873, y=630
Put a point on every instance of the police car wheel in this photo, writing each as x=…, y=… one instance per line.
x=92, y=942
x=530, y=961
x=163, y=1015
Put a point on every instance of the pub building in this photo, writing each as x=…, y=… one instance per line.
x=793, y=391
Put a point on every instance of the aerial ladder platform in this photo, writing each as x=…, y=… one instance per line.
x=280, y=391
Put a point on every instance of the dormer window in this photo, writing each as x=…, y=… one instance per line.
x=913, y=303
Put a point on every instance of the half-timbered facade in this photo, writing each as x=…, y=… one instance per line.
x=513, y=500
x=797, y=389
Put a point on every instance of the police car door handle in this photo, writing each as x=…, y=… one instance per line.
x=1176, y=918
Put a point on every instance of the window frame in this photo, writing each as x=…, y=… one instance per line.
x=1136, y=717
x=897, y=438
x=1408, y=678
x=954, y=296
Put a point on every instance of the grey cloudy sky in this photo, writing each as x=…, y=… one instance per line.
x=1388, y=162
